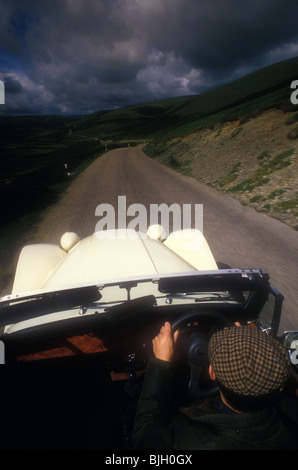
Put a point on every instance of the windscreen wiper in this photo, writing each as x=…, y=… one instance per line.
x=17, y=309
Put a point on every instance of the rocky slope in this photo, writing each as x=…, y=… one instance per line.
x=254, y=160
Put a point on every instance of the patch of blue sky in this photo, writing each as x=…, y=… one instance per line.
x=9, y=62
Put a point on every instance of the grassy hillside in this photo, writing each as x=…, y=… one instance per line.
x=164, y=119
x=134, y=122
x=32, y=155
x=246, y=146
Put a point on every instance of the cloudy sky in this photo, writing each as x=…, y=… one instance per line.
x=80, y=56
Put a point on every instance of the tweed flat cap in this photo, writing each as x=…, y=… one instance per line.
x=248, y=361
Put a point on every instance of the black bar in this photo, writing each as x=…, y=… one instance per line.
x=221, y=281
x=24, y=308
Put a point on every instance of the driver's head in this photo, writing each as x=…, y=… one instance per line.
x=249, y=366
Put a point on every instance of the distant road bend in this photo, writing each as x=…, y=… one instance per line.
x=238, y=235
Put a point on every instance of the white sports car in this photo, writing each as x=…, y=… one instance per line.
x=77, y=330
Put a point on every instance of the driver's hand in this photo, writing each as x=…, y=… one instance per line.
x=163, y=343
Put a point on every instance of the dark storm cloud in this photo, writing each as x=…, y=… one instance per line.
x=78, y=56
x=12, y=85
x=221, y=33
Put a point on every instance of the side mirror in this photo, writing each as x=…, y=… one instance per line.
x=290, y=342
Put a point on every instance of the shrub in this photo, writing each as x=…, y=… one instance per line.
x=275, y=193
x=293, y=134
x=292, y=119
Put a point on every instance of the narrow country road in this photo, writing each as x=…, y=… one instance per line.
x=238, y=236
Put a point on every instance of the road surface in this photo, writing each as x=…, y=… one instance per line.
x=238, y=235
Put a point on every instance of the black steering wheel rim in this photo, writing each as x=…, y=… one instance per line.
x=197, y=352
x=193, y=315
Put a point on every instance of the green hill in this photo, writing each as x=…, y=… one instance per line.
x=264, y=88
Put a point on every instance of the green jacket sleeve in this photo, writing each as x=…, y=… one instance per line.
x=154, y=410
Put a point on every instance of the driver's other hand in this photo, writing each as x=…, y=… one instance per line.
x=163, y=343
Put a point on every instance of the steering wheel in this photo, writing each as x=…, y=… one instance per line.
x=196, y=346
